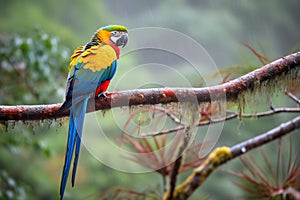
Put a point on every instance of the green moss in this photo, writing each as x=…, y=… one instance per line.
x=260, y=95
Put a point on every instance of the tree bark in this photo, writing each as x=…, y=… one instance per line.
x=228, y=91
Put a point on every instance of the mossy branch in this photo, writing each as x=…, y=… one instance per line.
x=229, y=90
x=222, y=155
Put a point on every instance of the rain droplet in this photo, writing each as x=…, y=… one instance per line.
x=243, y=149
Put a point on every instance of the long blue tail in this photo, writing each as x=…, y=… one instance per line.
x=77, y=113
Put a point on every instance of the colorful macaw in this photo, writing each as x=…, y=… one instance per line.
x=91, y=68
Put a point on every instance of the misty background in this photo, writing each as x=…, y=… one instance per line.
x=31, y=164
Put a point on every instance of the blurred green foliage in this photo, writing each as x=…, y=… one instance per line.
x=37, y=38
x=32, y=69
x=32, y=63
x=10, y=189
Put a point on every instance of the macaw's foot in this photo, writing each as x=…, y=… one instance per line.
x=103, y=94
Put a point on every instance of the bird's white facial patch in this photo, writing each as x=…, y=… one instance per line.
x=115, y=35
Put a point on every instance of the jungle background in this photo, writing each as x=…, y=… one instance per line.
x=37, y=38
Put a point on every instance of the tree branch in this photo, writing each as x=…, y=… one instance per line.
x=224, y=154
x=230, y=90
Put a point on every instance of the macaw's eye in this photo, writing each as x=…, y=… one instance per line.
x=115, y=33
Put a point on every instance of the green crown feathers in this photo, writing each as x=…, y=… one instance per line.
x=114, y=28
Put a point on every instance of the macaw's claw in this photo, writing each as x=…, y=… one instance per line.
x=103, y=94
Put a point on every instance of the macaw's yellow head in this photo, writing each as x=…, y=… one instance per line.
x=116, y=34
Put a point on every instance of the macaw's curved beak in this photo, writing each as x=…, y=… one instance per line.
x=123, y=40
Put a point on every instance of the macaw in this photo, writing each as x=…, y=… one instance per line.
x=91, y=68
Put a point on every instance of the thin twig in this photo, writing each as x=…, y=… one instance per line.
x=271, y=112
x=163, y=132
x=292, y=96
x=191, y=117
x=168, y=113
x=178, y=162
x=233, y=115
x=174, y=174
